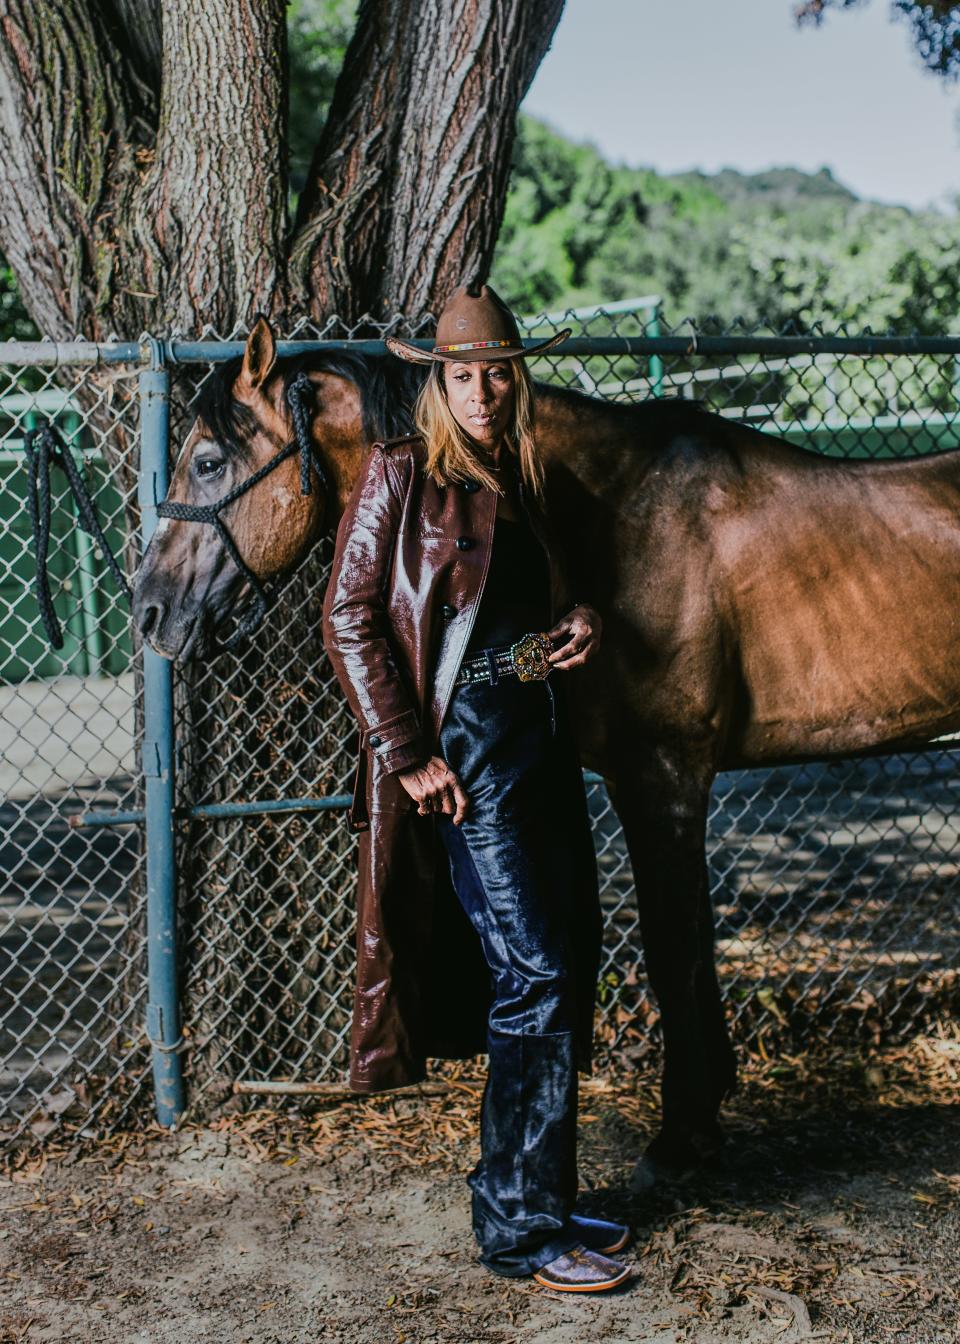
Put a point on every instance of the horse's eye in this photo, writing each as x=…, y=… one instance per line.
x=207, y=468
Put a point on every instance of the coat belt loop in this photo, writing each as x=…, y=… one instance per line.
x=492, y=672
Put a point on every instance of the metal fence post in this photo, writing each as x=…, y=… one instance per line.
x=655, y=365
x=163, y=1006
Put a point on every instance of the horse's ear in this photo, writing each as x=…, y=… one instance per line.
x=260, y=355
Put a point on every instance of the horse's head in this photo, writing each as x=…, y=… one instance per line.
x=237, y=513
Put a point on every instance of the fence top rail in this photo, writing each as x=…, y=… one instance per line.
x=158, y=352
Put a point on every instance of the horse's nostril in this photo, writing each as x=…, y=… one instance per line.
x=148, y=618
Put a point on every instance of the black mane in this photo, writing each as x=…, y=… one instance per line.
x=388, y=388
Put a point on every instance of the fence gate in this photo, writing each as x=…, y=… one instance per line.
x=176, y=911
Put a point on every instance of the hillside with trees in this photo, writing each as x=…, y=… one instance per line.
x=775, y=249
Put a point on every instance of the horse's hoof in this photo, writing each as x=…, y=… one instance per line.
x=667, y=1161
x=649, y=1175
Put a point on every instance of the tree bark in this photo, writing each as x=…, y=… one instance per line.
x=150, y=194
x=69, y=135
x=407, y=187
x=120, y=212
x=211, y=214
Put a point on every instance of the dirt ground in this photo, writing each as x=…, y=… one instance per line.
x=833, y=1214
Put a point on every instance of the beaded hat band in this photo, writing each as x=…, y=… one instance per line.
x=474, y=322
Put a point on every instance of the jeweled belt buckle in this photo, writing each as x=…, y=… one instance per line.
x=529, y=657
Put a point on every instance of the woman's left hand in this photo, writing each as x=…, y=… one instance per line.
x=580, y=631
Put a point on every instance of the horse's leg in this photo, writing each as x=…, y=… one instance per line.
x=662, y=799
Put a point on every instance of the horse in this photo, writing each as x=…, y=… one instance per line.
x=761, y=605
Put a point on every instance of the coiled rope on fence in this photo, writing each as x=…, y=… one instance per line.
x=45, y=448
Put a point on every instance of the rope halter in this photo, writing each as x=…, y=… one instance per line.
x=298, y=393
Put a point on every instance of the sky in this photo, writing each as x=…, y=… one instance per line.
x=678, y=84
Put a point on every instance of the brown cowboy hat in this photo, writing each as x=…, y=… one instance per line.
x=475, y=324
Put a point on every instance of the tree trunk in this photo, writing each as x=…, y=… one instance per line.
x=407, y=187
x=121, y=213
x=69, y=137
x=210, y=217
x=143, y=188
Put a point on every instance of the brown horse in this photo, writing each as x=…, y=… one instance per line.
x=761, y=604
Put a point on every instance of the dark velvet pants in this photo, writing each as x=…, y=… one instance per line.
x=523, y=867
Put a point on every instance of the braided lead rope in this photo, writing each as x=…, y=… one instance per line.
x=45, y=448
x=297, y=393
x=254, y=613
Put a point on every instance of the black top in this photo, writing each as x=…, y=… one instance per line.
x=516, y=594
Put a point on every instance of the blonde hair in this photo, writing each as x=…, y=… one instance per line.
x=450, y=455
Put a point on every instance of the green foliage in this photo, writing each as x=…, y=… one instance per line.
x=777, y=184
x=779, y=249
x=15, y=323
x=318, y=32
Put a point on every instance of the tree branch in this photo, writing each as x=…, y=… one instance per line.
x=407, y=185
x=936, y=31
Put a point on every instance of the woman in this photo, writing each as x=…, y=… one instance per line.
x=473, y=727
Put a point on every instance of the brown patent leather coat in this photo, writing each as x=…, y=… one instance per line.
x=409, y=567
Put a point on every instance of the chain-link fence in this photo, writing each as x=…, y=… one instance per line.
x=72, y=965
x=834, y=884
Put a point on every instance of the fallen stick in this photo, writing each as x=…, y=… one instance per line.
x=338, y=1092
x=802, y=1325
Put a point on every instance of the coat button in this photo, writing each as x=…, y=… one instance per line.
x=374, y=740
x=471, y=486
x=448, y=611
x=464, y=543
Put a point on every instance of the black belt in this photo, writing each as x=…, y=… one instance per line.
x=526, y=659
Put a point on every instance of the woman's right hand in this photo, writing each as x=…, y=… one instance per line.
x=435, y=788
